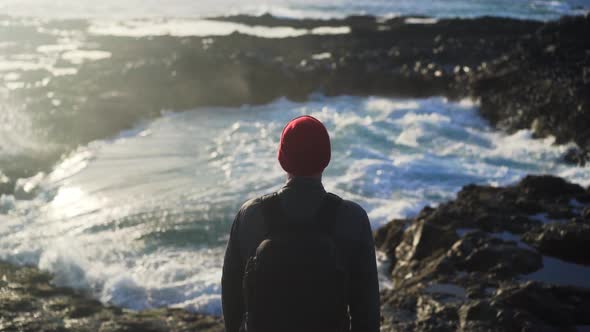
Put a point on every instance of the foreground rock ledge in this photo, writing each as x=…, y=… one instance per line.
x=464, y=266
x=29, y=303
x=480, y=262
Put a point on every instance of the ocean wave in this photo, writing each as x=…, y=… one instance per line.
x=141, y=219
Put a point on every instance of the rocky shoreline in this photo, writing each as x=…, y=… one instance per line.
x=526, y=74
x=478, y=263
x=30, y=303
x=493, y=259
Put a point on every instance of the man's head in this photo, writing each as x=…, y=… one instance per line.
x=304, y=149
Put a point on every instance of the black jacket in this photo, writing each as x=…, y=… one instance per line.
x=301, y=197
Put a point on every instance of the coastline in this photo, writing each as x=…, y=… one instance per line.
x=488, y=59
x=529, y=80
x=30, y=303
x=493, y=259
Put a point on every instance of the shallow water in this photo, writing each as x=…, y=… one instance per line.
x=142, y=219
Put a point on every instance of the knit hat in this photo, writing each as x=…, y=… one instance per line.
x=304, y=149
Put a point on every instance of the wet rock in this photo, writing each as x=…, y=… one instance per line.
x=546, y=186
x=421, y=251
x=540, y=84
x=567, y=241
x=388, y=237
x=387, y=58
x=554, y=305
x=84, y=308
x=421, y=240
x=463, y=265
x=477, y=315
x=479, y=252
x=24, y=308
x=576, y=156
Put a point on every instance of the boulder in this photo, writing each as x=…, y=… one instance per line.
x=479, y=252
x=567, y=241
x=389, y=236
x=549, y=187
x=422, y=250
x=577, y=156
x=23, y=307
x=555, y=305
x=460, y=266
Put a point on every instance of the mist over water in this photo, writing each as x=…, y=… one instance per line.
x=141, y=220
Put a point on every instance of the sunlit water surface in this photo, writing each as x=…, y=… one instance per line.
x=141, y=220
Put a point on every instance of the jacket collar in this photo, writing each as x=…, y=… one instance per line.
x=304, y=183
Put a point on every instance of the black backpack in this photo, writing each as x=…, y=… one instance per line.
x=294, y=281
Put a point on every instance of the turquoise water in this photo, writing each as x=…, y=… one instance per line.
x=141, y=220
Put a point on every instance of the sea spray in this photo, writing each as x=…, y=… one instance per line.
x=141, y=220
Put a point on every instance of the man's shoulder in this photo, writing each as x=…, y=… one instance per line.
x=353, y=222
x=353, y=215
x=253, y=204
x=352, y=209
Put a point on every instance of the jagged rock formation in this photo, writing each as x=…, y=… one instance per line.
x=146, y=75
x=30, y=303
x=466, y=265
x=461, y=266
x=526, y=74
x=544, y=84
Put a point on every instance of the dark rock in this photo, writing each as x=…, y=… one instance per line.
x=522, y=71
x=428, y=307
x=576, y=156
x=422, y=240
x=84, y=308
x=421, y=250
x=555, y=305
x=387, y=58
x=528, y=206
x=388, y=237
x=475, y=283
x=546, y=186
x=541, y=84
x=567, y=241
x=476, y=311
x=479, y=252
x=24, y=308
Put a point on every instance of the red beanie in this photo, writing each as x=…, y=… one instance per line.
x=305, y=147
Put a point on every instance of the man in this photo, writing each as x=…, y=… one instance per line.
x=304, y=152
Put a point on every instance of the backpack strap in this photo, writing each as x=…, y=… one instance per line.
x=326, y=215
x=274, y=217
x=272, y=213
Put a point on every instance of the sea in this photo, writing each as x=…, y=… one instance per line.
x=141, y=219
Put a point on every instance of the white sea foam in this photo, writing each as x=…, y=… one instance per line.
x=80, y=56
x=420, y=20
x=383, y=265
x=188, y=27
x=142, y=219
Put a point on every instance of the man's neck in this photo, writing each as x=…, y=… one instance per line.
x=313, y=177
